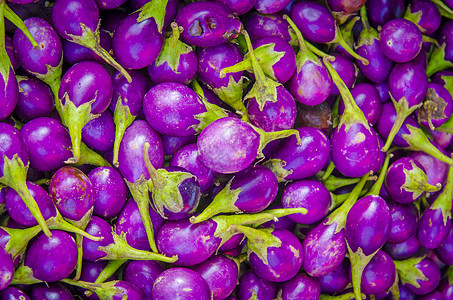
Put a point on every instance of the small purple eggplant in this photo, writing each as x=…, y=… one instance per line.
x=14, y=168
x=6, y=269
x=445, y=251
x=85, y=91
x=78, y=21
x=337, y=280
x=143, y=274
x=112, y=290
x=382, y=11
x=132, y=167
x=406, y=181
x=176, y=62
x=261, y=25
x=249, y=191
x=50, y=291
x=318, y=25
x=405, y=219
x=419, y=275
x=436, y=170
x=368, y=100
x=13, y=293
x=251, y=285
x=99, y=133
x=445, y=285
x=207, y=24
x=180, y=283
x=35, y=99
x=221, y=275
x=403, y=250
x=425, y=15
x=435, y=222
x=295, y=162
x=301, y=286
x=238, y=144
x=239, y=7
x=379, y=274
x=354, y=143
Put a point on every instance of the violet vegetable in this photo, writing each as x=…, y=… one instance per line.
x=382, y=11
x=180, y=283
x=405, y=219
x=13, y=293
x=441, y=57
x=301, y=286
x=337, y=280
x=445, y=251
x=99, y=133
x=112, y=290
x=379, y=274
x=35, y=99
x=6, y=269
x=51, y=291
x=419, y=275
x=143, y=273
x=251, y=285
x=403, y=250
x=78, y=21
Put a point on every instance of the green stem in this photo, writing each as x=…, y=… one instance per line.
x=11, y=15
x=340, y=40
x=358, y=263
x=157, y=180
x=110, y=269
x=437, y=61
x=79, y=242
x=329, y=171
x=376, y=189
x=90, y=157
x=123, y=119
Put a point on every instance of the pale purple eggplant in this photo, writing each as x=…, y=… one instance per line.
x=85, y=91
x=238, y=144
x=435, y=222
x=207, y=24
x=78, y=21
x=180, y=283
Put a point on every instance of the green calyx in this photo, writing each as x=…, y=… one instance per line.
x=277, y=167
x=91, y=40
x=418, y=141
x=433, y=108
x=24, y=275
x=223, y=202
x=259, y=240
x=408, y=273
x=402, y=112
x=437, y=61
x=5, y=63
x=443, y=201
x=154, y=9
x=90, y=157
x=417, y=182
x=120, y=249
x=267, y=137
x=352, y=113
x=172, y=50
x=358, y=263
x=15, y=176
x=18, y=239
x=110, y=269
x=232, y=95
x=347, y=296
x=339, y=39
x=59, y=223
x=75, y=118
x=105, y=291
x=164, y=186
x=123, y=119
x=264, y=89
x=414, y=17
x=447, y=126
x=368, y=34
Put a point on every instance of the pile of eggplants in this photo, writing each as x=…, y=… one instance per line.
x=226, y=149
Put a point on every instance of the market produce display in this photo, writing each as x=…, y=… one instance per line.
x=226, y=149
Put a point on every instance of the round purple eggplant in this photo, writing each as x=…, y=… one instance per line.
x=78, y=21
x=6, y=269
x=133, y=168
x=294, y=162
x=48, y=142
x=337, y=280
x=207, y=24
x=404, y=221
x=14, y=168
x=275, y=255
x=269, y=6
x=368, y=100
x=50, y=291
x=445, y=286
x=188, y=158
x=403, y=250
x=109, y=191
x=72, y=193
x=74, y=53
x=137, y=44
x=261, y=25
x=249, y=191
x=35, y=99
x=309, y=194
x=406, y=181
x=436, y=170
x=221, y=275
x=301, y=287
x=347, y=7
x=85, y=91
x=13, y=293
x=251, y=285
x=419, y=275
x=435, y=222
x=130, y=224
x=445, y=251
x=109, y=4
x=400, y=40
x=382, y=11
x=143, y=274
x=379, y=274
x=239, y=7
x=51, y=259
x=237, y=144
x=425, y=15
x=99, y=133
x=172, y=108
x=172, y=144
x=180, y=283
x=176, y=62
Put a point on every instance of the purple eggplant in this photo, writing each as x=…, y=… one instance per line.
x=337, y=280
x=14, y=168
x=261, y=25
x=99, y=133
x=130, y=224
x=50, y=291
x=6, y=269
x=180, y=283
x=239, y=7
x=228, y=86
x=132, y=167
x=237, y=144
x=221, y=275
x=419, y=275
x=301, y=286
x=207, y=24
x=163, y=11
x=405, y=219
x=406, y=181
x=35, y=99
x=249, y=191
x=318, y=25
x=379, y=274
x=143, y=274
x=13, y=293
x=78, y=21
x=11, y=53
x=251, y=285
x=355, y=144
x=109, y=191
x=436, y=170
x=445, y=286
x=425, y=15
x=85, y=91
x=401, y=40
x=445, y=251
x=435, y=222
x=437, y=107
x=382, y=11
x=176, y=62
x=403, y=250
x=114, y=290
x=188, y=158
x=368, y=100
x=345, y=6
